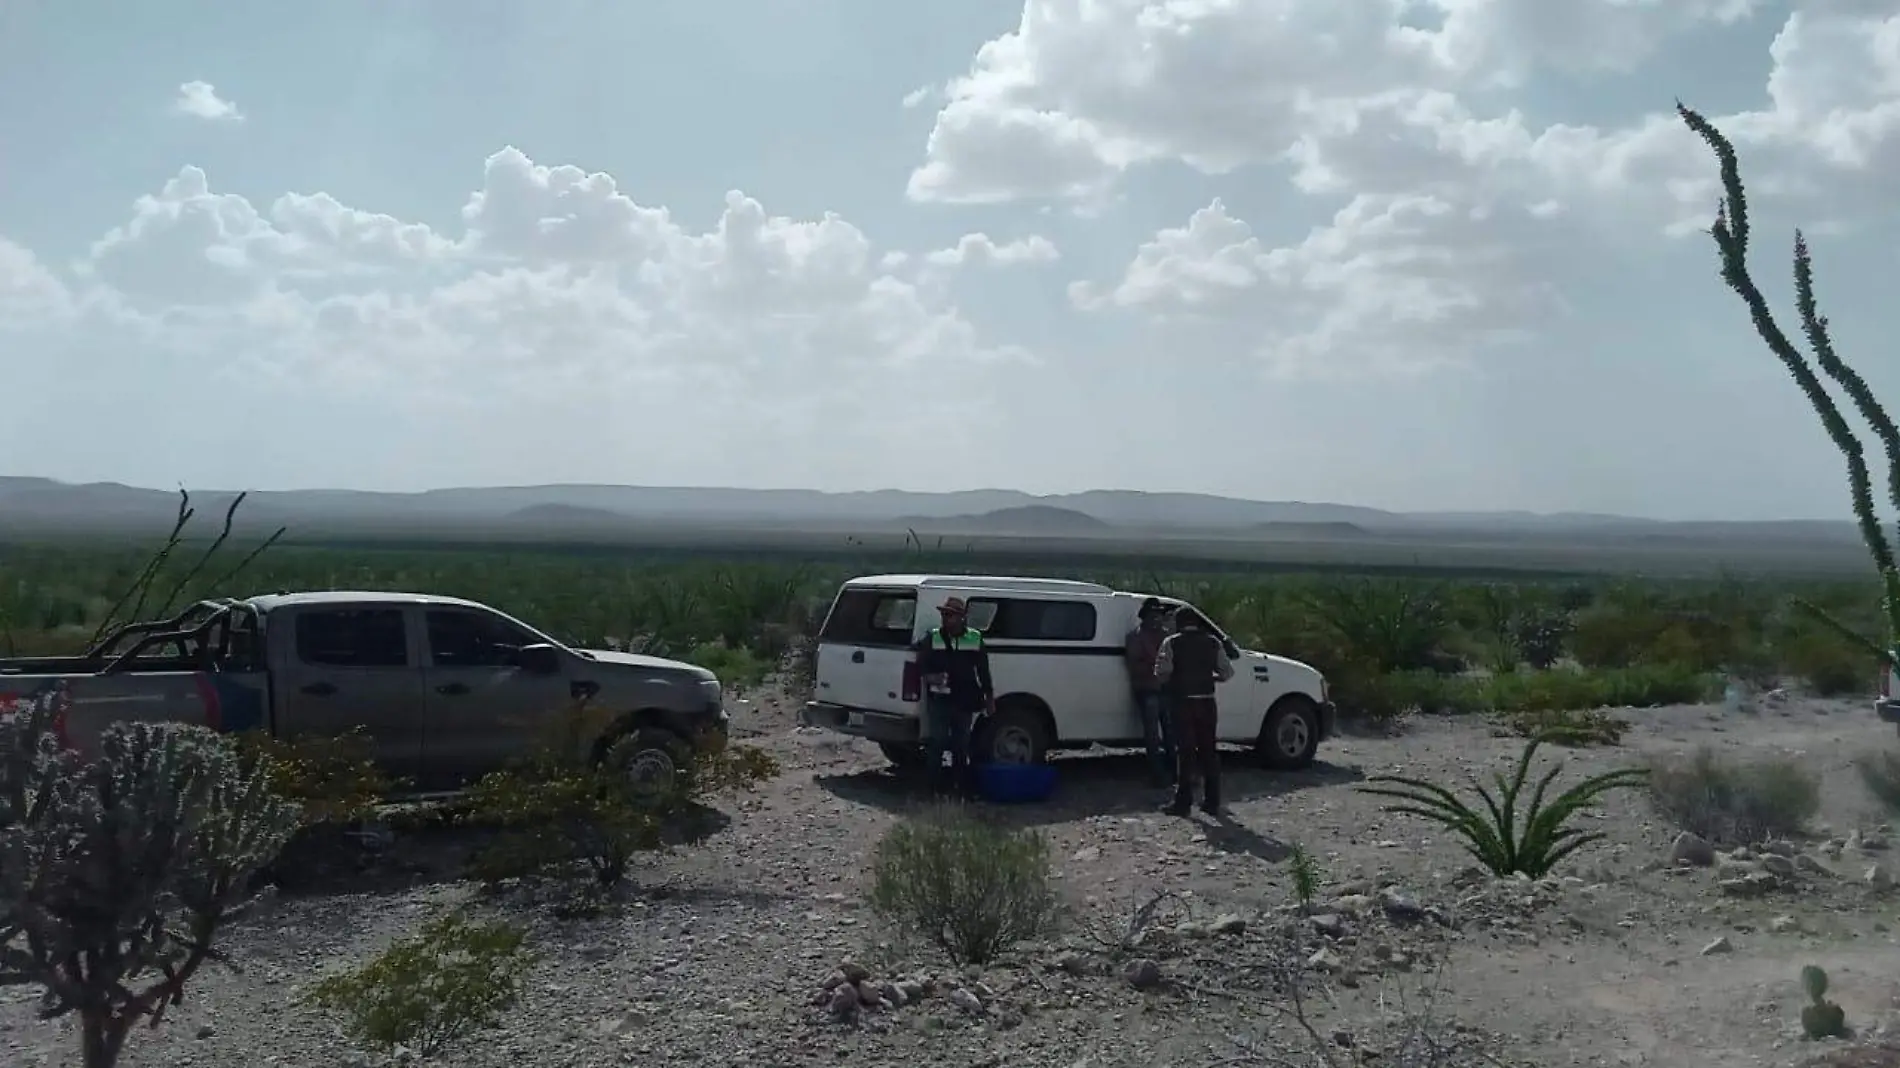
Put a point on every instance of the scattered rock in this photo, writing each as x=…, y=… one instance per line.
x=1692, y=850
x=1877, y=877
x=843, y=1001
x=963, y=999
x=1784, y=924
x=1142, y=974
x=1228, y=923
x=1778, y=865
x=1328, y=924
x=1324, y=960
x=853, y=971
x=1719, y=945
x=1400, y=907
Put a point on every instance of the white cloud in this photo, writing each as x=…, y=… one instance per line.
x=973, y=250
x=1453, y=210
x=563, y=303
x=200, y=100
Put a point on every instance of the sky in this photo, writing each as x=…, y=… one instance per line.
x=1413, y=254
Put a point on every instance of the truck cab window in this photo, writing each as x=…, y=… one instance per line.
x=353, y=637
x=473, y=639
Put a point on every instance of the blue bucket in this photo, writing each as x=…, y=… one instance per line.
x=1010, y=784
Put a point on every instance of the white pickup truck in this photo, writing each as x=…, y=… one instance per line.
x=1056, y=655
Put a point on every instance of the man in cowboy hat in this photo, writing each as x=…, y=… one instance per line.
x=956, y=670
x=1139, y=653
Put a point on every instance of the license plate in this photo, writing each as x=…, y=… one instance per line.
x=855, y=719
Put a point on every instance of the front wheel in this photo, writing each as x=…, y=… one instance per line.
x=654, y=761
x=1289, y=735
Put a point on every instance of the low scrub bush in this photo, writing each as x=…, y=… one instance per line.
x=738, y=667
x=1828, y=665
x=333, y=781
x=117, y=874
x=1880, y=772
x=971, y=888
x=561, y=813
x=1568, y=727
x=452, y=978
x=1385, y=697
x=1734, y=802
x=1495, y=834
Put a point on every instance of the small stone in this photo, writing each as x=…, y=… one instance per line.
x=1401, y=907
x=853, y=971
x=1720, y=945
x=1781, y=847
x=1142, y=974
x=206, y=1030
x=1324, y=960
x=1783, y=924
x=1778, y=865
x=963, y=999
x=843, y=1001
x=1229, y=923
x=1071, y=962
x=1692, y=851
x=1811, y=865
x=1086, y=853
x=1354, y=904
x=913, y=989
x=1877, y=877
x=893, y=994
x=1328, y=924
x=836, y=980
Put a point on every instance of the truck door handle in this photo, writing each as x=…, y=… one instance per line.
x=857, y=656
x=451, y=689
x=319, y=689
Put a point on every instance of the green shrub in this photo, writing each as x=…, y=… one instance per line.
x=1828, y=665
x=1494, y=835
x=1568, y=727
x=560, y=814
x=333, y=781
x=972, y=888
x=1391, y=626
x=738, y=667
x=1734, y=802
x=426, y=992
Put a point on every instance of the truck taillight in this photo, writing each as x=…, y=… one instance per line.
x=913, y=689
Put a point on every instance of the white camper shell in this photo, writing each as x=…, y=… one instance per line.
x=1056, y=656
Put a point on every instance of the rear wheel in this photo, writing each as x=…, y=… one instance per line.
x=1289, y=736
x=1017, y=734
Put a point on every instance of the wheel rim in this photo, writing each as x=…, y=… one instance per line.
x=1013, y=745
x=1292, y=735
x=650, y=770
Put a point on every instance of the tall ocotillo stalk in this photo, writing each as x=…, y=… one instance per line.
x=1731, y=233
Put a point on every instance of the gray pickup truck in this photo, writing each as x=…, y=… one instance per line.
x=446, y=690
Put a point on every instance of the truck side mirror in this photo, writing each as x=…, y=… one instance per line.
x=539, y=659
x=1233, y=649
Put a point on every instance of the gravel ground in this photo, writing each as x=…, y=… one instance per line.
x=1628, y=959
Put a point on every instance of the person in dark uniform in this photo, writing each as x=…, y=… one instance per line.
x=956, y=670
x=1190, y=664
x=1139, y=652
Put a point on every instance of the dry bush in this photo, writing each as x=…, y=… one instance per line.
x=1881, y=774
x=1734, y=802
x=972, y=888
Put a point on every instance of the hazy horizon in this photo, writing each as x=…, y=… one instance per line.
x=1412, y=255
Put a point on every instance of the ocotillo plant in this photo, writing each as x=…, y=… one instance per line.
x=1731, y=234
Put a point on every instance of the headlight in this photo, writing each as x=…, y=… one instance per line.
x=709, y=689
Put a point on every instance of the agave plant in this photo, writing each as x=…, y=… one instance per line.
x=1495, y=834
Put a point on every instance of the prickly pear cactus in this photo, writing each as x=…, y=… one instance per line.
x=1820, y=1018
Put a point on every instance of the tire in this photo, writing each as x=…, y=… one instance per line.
x=1015, y=735
x=903, y=757
x=657, y=761
x=1289, y=735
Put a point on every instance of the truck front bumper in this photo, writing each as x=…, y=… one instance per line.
x=883, y=727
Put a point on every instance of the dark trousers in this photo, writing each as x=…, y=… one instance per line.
x=1157, y=731
x=1194, y=722
x=947, y=729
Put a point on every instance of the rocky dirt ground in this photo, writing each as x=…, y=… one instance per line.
x=728, y=953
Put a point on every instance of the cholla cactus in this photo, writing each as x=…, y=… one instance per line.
x=115, y=874
x=1731, y=233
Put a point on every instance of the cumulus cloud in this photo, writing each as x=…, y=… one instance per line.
x=561, y=298
x=1453, y=210
x=200, y=100
x=973, y=250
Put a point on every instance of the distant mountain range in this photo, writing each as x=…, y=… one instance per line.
x=40, y=503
